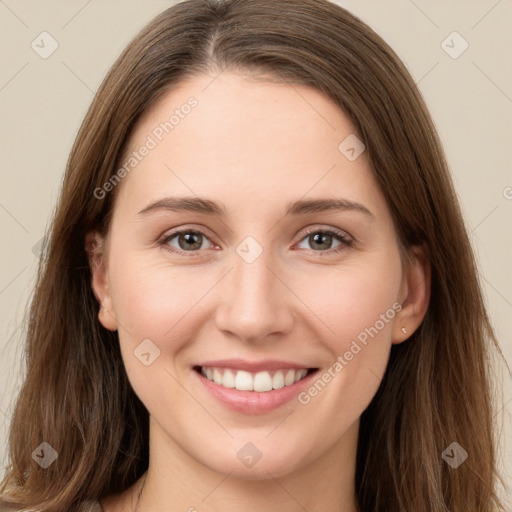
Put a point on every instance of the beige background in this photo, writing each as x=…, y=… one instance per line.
x=42, y=103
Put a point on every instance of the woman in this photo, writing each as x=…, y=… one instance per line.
x=193, y=346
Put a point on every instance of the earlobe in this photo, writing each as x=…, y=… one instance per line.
x=415, y=295
x=94, y=246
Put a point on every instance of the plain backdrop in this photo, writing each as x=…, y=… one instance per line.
x=43, y=101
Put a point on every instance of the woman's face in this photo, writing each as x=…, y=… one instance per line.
x=264, y=279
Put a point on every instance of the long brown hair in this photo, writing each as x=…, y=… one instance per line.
x=437, y=388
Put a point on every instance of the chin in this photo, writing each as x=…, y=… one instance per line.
x=263, y=465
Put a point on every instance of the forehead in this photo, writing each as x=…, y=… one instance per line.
x=244, y=140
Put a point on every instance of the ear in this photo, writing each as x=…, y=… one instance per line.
x=95, y=248
x=414, y=294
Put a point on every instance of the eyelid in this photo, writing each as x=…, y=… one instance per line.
x=326, y=229
x=168, y=235
x=345, y=238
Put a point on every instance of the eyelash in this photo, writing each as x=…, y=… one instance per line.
x=346, y=242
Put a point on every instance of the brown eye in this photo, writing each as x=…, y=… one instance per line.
x=187, y=241
x=321, y=240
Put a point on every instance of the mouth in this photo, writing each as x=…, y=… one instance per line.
x=252, y=388
x=260, y=382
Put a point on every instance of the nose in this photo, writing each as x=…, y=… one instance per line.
x=255, y=302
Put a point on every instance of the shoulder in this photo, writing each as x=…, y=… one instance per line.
x=85, y=506
x=90, y=506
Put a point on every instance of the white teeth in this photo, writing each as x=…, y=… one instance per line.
x=300, y=374
x=243, y=381
x=217, y=376
x=246, y=381
x=228, y=381
x=278, y=380
x=289, y=378
x=262, y=382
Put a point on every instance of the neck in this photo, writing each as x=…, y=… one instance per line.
x=178, y=482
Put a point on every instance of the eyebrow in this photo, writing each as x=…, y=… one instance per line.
x=208, y=207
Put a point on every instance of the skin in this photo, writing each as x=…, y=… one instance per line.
x=255, y=146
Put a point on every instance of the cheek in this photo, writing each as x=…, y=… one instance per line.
x=151, y=298
x=353, y=302
x=366, y=309
x=360, y=309
x=357, y=307
x=153, y=301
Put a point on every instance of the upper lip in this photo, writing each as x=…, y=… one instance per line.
x=253, y=366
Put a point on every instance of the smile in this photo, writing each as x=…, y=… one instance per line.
x=260, y=382
x=253, y=389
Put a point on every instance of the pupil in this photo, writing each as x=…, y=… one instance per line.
x=192, y=240
x=320, y=236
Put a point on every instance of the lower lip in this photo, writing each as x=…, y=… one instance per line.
x=254, y=402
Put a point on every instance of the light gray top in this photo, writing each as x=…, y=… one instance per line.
x=91, y=506
x=86, y=506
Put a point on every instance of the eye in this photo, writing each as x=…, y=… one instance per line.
x=192, y=241
x=320, y=239
x=187, y=240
